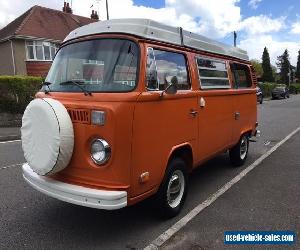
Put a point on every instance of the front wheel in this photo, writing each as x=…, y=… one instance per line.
x=238, y=154
x=172, y=192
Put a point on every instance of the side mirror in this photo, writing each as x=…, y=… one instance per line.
x=172, y=87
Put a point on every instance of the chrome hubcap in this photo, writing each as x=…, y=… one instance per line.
x=243, y=148
x=175, y=189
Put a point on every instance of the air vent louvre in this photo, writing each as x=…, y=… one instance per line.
x=253, y=73
x=80, y=116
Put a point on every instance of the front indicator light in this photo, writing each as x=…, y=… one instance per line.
x=100, y=151
x=98, y=117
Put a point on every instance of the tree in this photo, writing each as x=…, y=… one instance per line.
x=257, y=67
x=266, y=66
x=292, y=72
x=298, y=67
x=284, y=65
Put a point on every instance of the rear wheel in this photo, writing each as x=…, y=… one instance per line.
x=238, y=154
x=171, y=195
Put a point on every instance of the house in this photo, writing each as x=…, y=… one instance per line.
x=29, y=43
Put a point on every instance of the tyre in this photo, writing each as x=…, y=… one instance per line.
x=238, y=154
x=172, y=192
x=261, y=100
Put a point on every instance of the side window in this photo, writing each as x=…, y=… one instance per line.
x=162, y=66
x=241, y=76
x=212, y=73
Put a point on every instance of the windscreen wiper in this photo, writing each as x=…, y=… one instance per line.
x=78, y=84
x=47, y=84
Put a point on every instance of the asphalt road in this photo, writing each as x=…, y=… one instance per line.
x=29, y=219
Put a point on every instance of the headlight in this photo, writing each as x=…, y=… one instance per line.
x=100, y=151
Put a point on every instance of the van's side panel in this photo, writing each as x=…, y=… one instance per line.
x=244, y=103
x=215, y=117
x=215, y=122
x=159, y=125
x=244, y=108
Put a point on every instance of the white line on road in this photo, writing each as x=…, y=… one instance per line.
x=10, y=166
x=160, y=240
x=3, y=142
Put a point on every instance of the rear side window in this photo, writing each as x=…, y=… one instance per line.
x=241, y=76
x=212, y=73
x=162, y=66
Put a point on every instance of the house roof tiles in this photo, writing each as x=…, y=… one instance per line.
x=41, y=22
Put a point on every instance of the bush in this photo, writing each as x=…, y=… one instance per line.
x=267, y=88
x=295, y=88
x=17, y=91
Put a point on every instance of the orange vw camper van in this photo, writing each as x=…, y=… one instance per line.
x=129, y=108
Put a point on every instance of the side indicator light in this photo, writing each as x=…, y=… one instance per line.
x=144, y=177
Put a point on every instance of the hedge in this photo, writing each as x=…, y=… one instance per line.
x=267, y=88
x=17, y=91
x=295, y=88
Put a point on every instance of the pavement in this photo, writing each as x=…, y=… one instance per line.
x=267, y=198
x=10, y=134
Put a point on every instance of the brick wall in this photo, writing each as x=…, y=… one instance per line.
x=37, y=68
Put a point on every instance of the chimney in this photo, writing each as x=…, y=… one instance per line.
x=68, y=8
x=64, y=9
x=94, y=15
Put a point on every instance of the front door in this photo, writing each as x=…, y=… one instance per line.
x=161, y=121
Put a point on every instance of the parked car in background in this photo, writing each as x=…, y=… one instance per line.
x=259, y=95
x=280, y=92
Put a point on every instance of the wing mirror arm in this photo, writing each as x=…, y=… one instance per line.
x=172, y=87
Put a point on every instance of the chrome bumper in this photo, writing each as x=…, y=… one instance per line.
x=78, y=195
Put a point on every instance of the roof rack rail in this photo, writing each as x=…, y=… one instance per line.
x=153, y=30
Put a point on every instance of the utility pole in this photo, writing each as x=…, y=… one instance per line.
x=234, y=38
x=107, y=16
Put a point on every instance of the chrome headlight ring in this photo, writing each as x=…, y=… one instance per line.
x=100, y=151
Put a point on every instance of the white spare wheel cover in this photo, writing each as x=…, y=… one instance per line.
x=47, y=136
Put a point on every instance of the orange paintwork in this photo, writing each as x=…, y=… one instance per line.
x=144, y=129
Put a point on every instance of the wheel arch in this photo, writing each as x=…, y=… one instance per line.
x=183, y=151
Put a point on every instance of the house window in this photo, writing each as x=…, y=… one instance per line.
x=40, y=51
x=212, y=73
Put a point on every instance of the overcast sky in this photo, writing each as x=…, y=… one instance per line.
x=271, y=23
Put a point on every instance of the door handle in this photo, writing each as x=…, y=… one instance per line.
x=193, y=112
x=237, y=115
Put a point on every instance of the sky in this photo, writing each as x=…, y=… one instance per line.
x=259, y=23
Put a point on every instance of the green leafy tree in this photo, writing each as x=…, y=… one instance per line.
x=284, y=65
x=292, y=72
x=266, y=66
x=257, y=67
x=298, y=67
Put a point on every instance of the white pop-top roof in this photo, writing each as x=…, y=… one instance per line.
x=157, y=31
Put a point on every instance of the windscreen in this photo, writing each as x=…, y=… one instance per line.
x=102, y=65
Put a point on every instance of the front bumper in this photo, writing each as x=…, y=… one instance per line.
x=75, y=194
